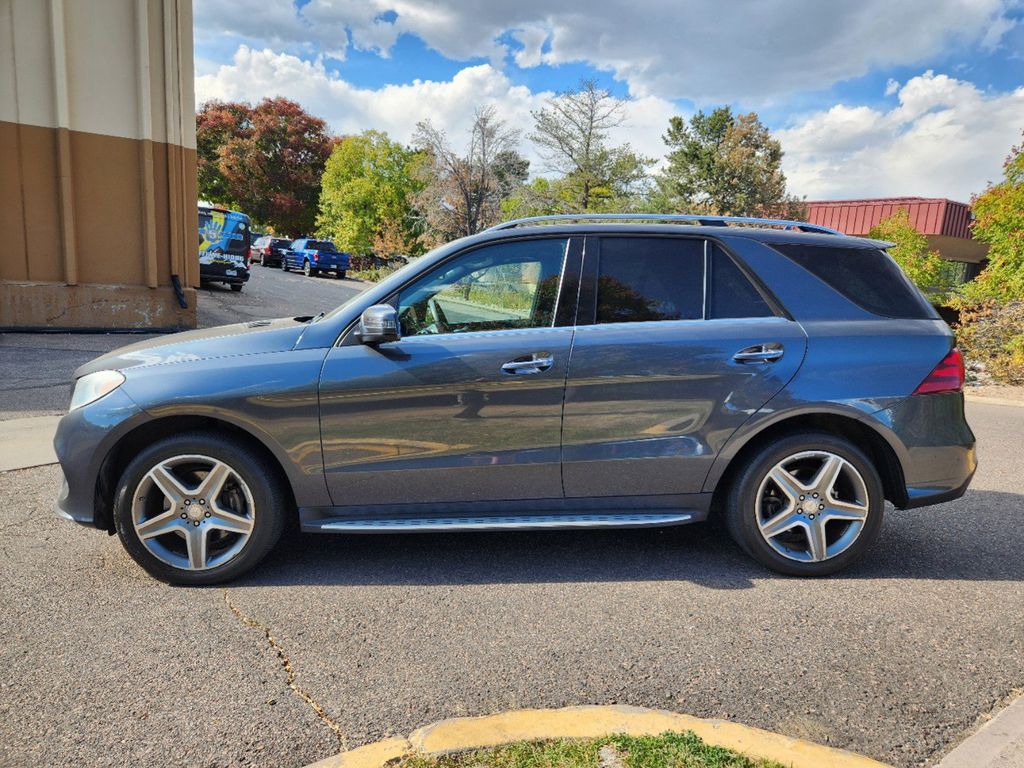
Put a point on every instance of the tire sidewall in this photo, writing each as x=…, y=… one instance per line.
x=268, y=501
x=741, y=514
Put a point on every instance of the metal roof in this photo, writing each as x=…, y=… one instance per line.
x=929, y=216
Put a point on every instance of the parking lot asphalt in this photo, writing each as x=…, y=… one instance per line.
x=38, y=367
x=897, y=657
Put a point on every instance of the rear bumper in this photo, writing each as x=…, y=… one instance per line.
x=923, y=496
x=935, y=447
x=218, y=273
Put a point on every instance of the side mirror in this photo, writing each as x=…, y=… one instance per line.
x=379, y=324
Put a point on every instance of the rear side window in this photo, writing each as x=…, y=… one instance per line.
x=650, y=278
x=866, y=276
x=319, y=245
x=731, y=294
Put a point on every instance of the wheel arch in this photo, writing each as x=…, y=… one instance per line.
x=142, y=435
x=878, y=448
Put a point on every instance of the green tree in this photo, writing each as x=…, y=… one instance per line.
x=571, y=134
x=725, y=164
x=265, y=160
x=366, y=196
x=925, y=267
x=999, y=221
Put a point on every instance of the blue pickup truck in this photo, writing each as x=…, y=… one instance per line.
x=314, y=257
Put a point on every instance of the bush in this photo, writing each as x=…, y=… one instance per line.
x=993, y=334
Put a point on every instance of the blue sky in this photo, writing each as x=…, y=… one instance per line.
x=869, y=98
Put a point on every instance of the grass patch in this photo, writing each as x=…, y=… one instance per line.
x=669, y=750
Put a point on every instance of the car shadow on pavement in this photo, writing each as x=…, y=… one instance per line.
x=979, y=537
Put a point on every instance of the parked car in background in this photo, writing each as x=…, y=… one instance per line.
x=314, y=257
x=268, y=251
x=224, y=241
x=561, y=372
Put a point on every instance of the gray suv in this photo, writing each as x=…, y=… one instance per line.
x=551, y=373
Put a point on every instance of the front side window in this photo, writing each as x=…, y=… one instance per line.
x=498, y=287
x=650, y=278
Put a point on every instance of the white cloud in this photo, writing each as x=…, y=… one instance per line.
x=705, y=50
x=946, y=138
x=253, y=75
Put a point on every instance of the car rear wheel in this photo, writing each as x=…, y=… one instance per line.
x=806, y=505
x=308, y=269
x=263, y=260
x=199, y=509
x=340, y=274
x=236, y=287
x=284, y=264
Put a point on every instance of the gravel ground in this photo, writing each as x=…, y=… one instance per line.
x=896, y=657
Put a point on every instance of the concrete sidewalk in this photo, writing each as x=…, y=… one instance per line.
x=999, y=743
x=27, y=442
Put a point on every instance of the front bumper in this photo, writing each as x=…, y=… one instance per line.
x=83, y=440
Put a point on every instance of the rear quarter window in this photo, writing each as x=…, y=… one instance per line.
x=866, y=276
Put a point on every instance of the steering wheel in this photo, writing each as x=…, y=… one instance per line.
x=442, y=321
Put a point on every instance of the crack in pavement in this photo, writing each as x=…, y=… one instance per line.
x=286, y=662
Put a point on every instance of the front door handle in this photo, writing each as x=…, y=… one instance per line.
x=535, y=363
x=759, y=353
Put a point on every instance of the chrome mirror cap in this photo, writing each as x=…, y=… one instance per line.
x=379, y=324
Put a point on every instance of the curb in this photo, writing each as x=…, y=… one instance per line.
x=993, y=400
x=469, y=733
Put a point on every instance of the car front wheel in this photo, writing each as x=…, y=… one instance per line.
x=199, y=509
x=806, y=505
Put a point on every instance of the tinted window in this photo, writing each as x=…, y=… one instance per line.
x=650, y=278
x=731, y=294
x=866, y=276
x=494, y=288
x=320, y=245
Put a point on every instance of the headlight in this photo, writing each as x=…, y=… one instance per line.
x=92, y=387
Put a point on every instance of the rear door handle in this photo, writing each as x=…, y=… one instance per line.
x=538, y=362
x=759, y=353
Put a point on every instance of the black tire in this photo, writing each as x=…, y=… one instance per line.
x=270, y=501
x=309, y=270
x=263, y=260
x=742, y=506
x=236, y=287
x=340, y=274
x=284, y=264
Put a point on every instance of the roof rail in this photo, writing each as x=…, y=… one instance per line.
x=707, y=221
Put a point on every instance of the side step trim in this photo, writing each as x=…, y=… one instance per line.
x=503, y=523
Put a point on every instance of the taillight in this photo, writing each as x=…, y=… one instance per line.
x=947, y=376
x=316, y=255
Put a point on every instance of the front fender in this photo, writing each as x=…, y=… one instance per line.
x=273, y=397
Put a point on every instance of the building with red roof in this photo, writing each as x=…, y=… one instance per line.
x=945, y=223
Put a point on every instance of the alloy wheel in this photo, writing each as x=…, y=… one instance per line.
x=812, y=506
x=193, y=512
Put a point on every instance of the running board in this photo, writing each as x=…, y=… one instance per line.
x=503, y=523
